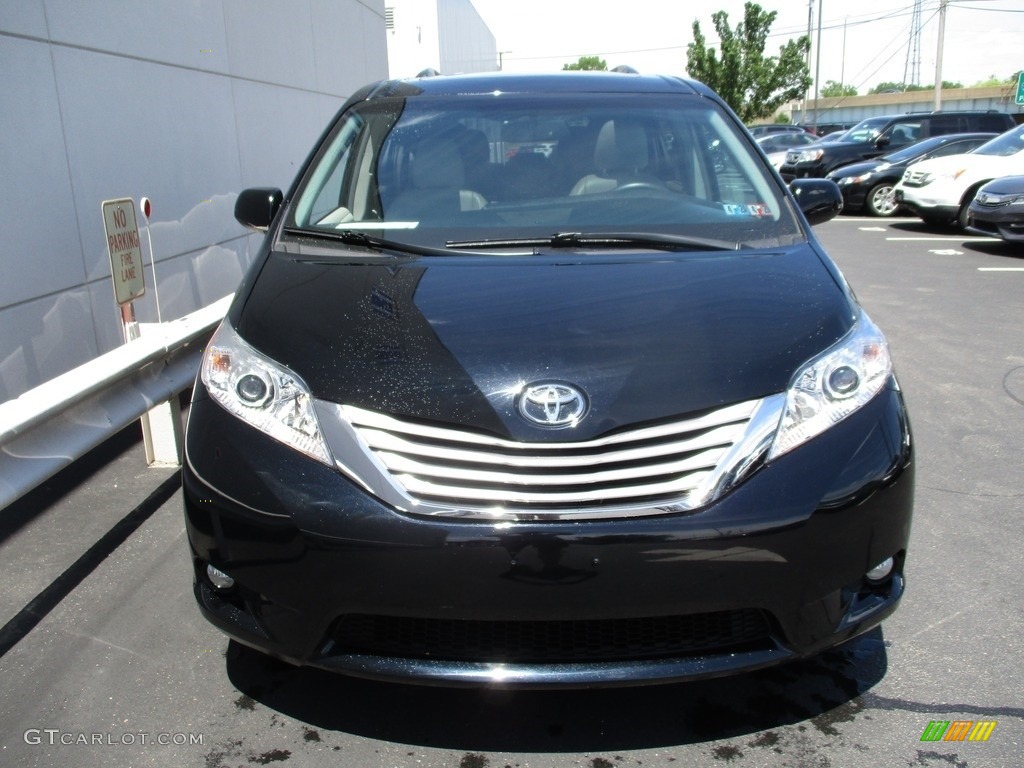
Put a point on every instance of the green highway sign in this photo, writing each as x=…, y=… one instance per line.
x=1020, y=87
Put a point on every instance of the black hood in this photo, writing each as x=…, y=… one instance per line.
x=452, y=339
x=854, y=169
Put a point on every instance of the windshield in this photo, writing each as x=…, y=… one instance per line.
x=1009, y=143
x=865, y=130
x=430, y=170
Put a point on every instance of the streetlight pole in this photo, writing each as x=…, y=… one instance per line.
x=938, y=55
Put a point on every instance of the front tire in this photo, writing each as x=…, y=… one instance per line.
x=880, y=200
x=963, y=214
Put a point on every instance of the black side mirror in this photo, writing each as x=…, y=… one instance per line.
x=819, y=199
x=256, y=207
x=883, y=141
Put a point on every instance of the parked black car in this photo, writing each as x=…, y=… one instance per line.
x=869, y=185
x=878, y=135
x=998, y=210
x=623, y=423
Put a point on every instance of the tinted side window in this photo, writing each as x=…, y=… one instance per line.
x=994, y=123
x=940, y=125
x=904, y=133
x=955, y=148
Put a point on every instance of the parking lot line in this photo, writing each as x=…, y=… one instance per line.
x=1001, y=269
x=959, y=239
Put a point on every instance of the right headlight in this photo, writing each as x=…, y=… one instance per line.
x=262, y=392
x=832, y=386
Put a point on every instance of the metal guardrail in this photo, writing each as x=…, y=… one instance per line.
x=45, y=429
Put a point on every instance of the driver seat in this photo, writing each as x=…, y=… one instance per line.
x=620, y=157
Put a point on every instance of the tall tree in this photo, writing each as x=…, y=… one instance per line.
x=835, y=88
x=751, y=83
x=588, y=63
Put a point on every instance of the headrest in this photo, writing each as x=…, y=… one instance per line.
x=621, y=146
x=437, y=163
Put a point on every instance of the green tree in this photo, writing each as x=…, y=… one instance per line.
x=751, y=83
x=889, y=88
x=903, y=87
x=782, y=119
x=833, y=88
x=993, y=81
x=587, y=63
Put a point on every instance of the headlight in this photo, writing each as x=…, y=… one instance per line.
x=810, y=155
x=1011, y=199
x=859, y=179
x=834, y=385
x=261, y=392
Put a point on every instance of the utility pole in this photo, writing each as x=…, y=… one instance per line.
x=817, y=66
x=807, y=58
x=842, y=67
x=938, y=55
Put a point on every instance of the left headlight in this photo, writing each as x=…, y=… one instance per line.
x=261, y=392
x=832, y=386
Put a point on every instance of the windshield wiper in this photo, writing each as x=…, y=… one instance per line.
x=363, y=240
x=655, y=240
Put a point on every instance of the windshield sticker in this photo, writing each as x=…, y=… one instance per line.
x=752, y=209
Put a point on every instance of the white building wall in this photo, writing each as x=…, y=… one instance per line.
x=447, y=35
x=467, y=44
x=412, y=37
x=186, y=103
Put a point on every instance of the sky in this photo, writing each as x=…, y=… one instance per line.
x=863, y=43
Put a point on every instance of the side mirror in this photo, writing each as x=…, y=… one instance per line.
x=883, y=141
x=819, y=199
x=256, y=207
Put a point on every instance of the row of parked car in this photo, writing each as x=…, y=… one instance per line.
x=955, y=168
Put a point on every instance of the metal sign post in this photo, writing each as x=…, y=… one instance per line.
x=161, y=426
x=125, y=253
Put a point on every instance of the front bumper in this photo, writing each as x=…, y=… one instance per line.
x=789, y=171
x=328, y=576
x=1004, y=223
x=854, y=196
x=929, y=207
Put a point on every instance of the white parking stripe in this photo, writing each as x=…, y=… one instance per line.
x=1001, y=269
x=960, y=239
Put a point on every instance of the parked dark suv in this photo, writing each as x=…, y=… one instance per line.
x=878, y=135
x=603, y=417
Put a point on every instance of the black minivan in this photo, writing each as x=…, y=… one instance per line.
x=603, y=414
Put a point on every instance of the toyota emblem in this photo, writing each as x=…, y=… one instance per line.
x=552, y=404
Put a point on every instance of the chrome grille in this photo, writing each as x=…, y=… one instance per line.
x=914, y=178
x=454, y=470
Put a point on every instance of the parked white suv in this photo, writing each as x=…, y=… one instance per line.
x=940, y=190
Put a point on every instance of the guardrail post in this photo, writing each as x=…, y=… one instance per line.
x=161, y=426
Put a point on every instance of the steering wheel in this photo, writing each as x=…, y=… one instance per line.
x=641, y=185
